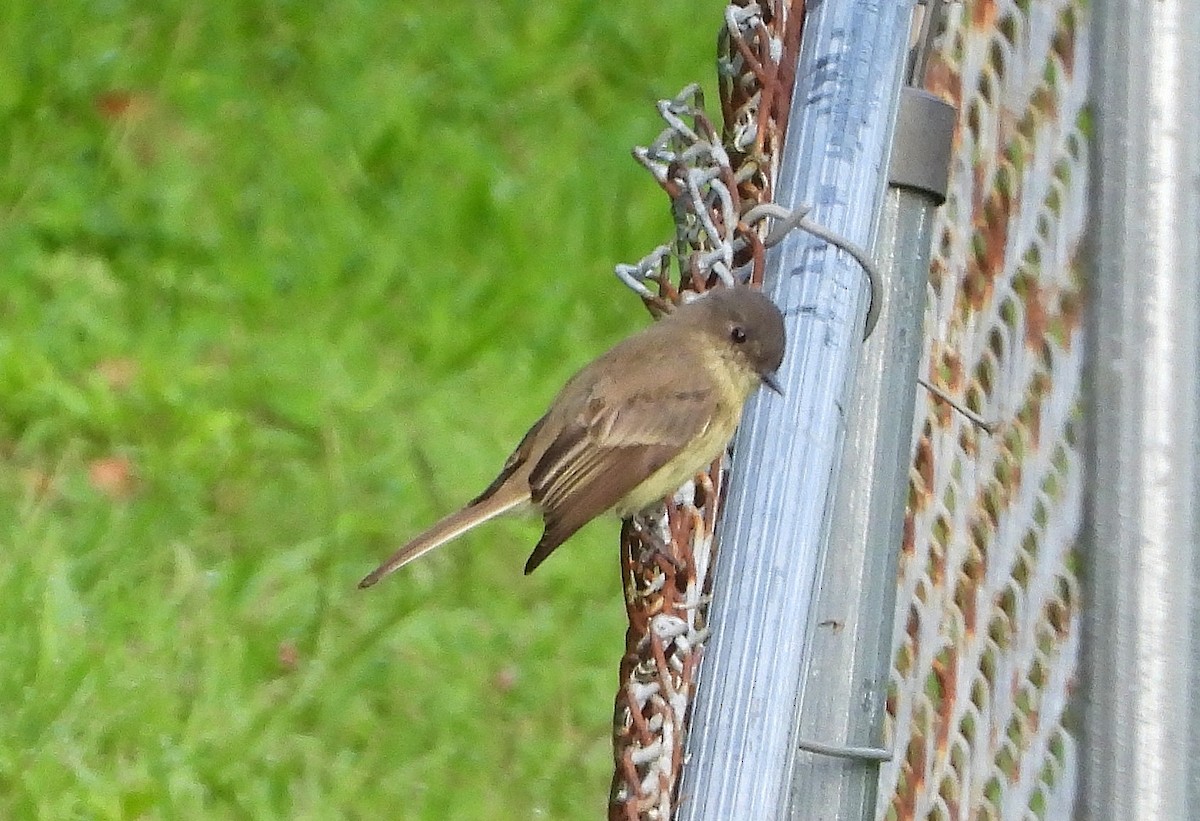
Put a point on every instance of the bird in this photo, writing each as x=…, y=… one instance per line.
x=630, y=427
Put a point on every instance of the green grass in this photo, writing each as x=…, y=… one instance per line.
x=282, y=282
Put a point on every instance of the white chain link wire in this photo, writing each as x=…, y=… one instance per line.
x=695, y=171
x=665, y=594
x=987, y=621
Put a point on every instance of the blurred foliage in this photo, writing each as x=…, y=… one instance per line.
x=284, y=282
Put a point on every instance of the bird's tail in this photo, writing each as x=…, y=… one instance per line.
x=449, y=528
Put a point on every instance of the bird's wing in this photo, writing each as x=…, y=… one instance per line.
x=609, y=448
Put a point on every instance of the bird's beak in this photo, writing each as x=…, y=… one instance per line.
x=772, y=382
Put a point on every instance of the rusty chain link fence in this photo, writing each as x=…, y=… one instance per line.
x=987, y=622
x=714, y=178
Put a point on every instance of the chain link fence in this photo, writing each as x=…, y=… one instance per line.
x=987, y=624
x=986, y=635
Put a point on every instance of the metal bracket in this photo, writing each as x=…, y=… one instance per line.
x=922, y=143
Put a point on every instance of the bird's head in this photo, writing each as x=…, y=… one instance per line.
x=746, y=323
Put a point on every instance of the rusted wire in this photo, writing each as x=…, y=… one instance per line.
x=987, y=623
x=713, y=179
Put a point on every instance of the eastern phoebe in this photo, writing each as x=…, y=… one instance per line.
x=631, y=427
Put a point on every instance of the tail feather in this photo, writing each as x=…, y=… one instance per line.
x=447, y=529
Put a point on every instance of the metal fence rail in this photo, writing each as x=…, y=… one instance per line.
x=1140, y=675
x=741, y=744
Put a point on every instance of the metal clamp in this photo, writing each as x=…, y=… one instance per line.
x=789, y=220
x=922, y=143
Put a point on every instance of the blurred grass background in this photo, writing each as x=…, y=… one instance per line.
x=283, y=282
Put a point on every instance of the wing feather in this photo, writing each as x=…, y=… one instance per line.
x=607, y=450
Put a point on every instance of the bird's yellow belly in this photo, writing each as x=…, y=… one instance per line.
x=683, y=468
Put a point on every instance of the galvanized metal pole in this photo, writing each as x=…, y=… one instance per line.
x=845, y=682
x=1141, y=745
x=741, y=742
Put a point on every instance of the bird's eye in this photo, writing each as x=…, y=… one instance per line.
x=738, y=334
